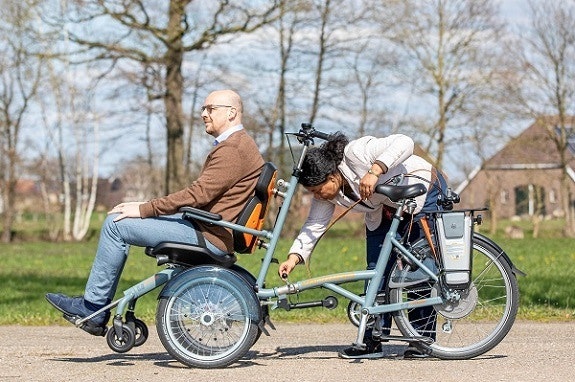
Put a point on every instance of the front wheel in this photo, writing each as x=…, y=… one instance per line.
x=207, y=317
x=121, y=342
x=472, y=321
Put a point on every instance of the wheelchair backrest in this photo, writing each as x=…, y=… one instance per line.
x=254, y=212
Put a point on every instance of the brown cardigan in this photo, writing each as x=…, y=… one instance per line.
x=226, y=181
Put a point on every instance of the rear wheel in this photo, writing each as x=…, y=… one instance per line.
x=207, y=319
x=470, y=322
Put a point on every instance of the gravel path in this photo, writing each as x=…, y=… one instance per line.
x=295, y=353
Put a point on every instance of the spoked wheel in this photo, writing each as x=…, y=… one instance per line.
x=472, y=321
x=207, y=317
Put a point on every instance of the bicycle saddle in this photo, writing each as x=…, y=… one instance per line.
x=396, y=193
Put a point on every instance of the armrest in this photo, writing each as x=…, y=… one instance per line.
x=190, y=212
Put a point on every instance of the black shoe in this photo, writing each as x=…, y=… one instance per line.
x=372, y=350
x=76, y=308
x=414, y=353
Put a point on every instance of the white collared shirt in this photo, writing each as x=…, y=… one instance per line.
x=223, y=136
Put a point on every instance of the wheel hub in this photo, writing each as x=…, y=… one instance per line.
x=461, y=304
x=207, y=319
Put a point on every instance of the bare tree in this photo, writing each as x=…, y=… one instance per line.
x=547, y=85
x=74, y=133
x=19, y=79
x=450, y=57
x=162, y=33
x=291, y=18
x=336, y=32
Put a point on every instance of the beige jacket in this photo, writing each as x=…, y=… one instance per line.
x=226, y=181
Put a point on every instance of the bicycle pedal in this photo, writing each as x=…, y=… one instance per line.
x=418, y=340
x=362, y=356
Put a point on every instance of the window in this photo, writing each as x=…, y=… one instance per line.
x=552, y=197
x=504, y=197
x=529, y=200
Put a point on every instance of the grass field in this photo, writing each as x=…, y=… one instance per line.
x=29, y=270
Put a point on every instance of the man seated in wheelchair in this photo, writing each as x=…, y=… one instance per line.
x=226, y=182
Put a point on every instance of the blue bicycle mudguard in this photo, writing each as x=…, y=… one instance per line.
x=211, y=273
x=250, y=278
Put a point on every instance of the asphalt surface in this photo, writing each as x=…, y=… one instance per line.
x=302, y=352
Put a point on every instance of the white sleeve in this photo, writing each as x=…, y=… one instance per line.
x=320, y=214
x=391, y=151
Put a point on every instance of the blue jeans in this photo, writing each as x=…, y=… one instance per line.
x=114, y=245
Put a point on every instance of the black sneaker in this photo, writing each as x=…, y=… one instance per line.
x=372, y=350
x=76, y=308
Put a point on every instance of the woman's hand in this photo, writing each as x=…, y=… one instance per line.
x=126, y=210
x=367, y=185
x=369, y=180
x=287, y=266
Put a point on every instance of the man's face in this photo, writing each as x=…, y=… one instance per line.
x=216, y=114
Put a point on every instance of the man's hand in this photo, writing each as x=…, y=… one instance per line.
x=126, y=210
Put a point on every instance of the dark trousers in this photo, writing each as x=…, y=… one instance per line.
x=374, y=241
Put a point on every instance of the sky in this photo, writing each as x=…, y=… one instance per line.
x=512, y=10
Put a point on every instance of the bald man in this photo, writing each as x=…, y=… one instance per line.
x=226, y=182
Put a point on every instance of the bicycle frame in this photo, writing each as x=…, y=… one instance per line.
x=374, y=278
x=331, y=282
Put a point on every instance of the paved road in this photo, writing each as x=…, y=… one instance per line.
x=294, y=353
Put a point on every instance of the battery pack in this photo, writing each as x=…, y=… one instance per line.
x=454, y=234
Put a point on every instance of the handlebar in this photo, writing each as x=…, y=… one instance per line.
x=308, y=132
x=449, y=199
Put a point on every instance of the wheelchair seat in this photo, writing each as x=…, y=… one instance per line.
x=252, y=216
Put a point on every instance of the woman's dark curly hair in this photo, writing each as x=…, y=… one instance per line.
x=322, y=161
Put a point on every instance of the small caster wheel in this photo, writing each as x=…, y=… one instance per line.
x=142, y=332
x=121, y=343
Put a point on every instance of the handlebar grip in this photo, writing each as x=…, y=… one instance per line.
x=308, y=130
x=320, y=135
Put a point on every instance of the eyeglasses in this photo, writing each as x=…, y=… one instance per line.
x=211, y=108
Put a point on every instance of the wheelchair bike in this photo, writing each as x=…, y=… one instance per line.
x=211, y=311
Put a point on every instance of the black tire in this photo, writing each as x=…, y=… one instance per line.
x=206, y=318
x=478, y=321
x=141, y=332
x=252, y=282
x=121, y=344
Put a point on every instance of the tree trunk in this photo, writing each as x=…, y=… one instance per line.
x=9, y=210
x=9, y=193
x=569, y=228
x=173, y=99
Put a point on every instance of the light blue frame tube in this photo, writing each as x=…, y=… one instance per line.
x=331, y=282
